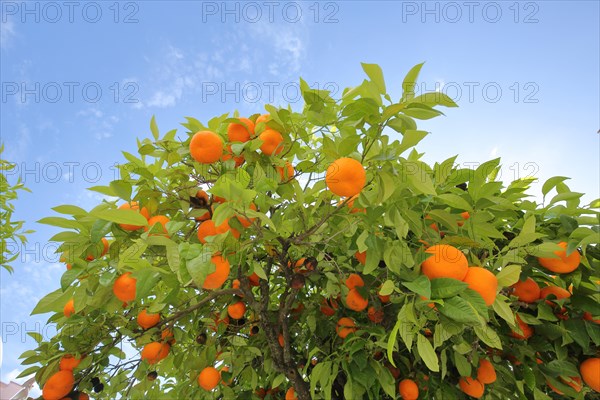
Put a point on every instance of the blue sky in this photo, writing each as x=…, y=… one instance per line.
x=79, y=85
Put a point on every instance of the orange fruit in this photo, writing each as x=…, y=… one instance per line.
x=236, y=310
x=216, y=279
x=235, y=284
x=83, y=396
x=375, y=314
x=263, y=118
x=486, y=373
x=280, y=340
x=240, y=132
x=158, y=219
x=355, y=301
x=328, y=306
x=136, y=207
x=588, y=317
x=155, y=351
x=408, y=390
x=350, y=205
x=272, y=142
x=69, y=308
x=246, y=222
x=345, y=177
x=208, y=228
x=147, y=321
x=168, y=336
x=291, y=394
x=574, y=382
x=471, y=387
x=558, y=292
x=58, y=385
x=286, y=173
x=563, y=264
x=590, y=372
x=430, y=305
x=384, y=298
x=206, y=147
x=124, y=287
x=69, y=362
x=361, y=257
x=483, y=282
x=465, y=215
x=446, y=262
x=202, y=198
x=228, y=155
x=254, y=279
x=353, y=281
x=99, y=249
x=345, y=326
x=209, y=378
x=527, y=291
x=526, y=329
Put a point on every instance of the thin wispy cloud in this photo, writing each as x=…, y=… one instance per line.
x=7, y=33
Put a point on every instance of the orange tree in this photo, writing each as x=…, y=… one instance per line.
x=314, y=254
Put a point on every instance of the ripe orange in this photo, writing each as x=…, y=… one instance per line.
x=375, y=314
x=254, y=279
x=291, y=394
x=272, y=142
x=158, y=219
x=246, y=222
x=124, y=287
x=236, y=310
x=465, y=215
x=355, y=301
x=486, y=373
x=408, y=389
x=83, y=396
x=353, y=281
x=328, y=306
x=68, y=362
x=286, y=173
x=235, y=284
x=99, y=250
x=471, y=387
x=206, y=147
x=280, y=340
x=346, y=177
x=240, y=132
x=483, y=282
x=147, y=321
x=69, y=308
x=208, y=228
x=556, y=291
x=155, y=351
x=216, y=279
x=209, y=378
x=588, y=317
x=590, y=372
x=574, y=382
x=228, y=154
x=350, y=205
x=58, y=385
x=563, y=264
x=361, y=257
x=168, y=336
x=527, y=291
x=345, y=326
x=263, y=118
x=430, y=305
x=526, y=329
x=447, y=262
x=133, y=206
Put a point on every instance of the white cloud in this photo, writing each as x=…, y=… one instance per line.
x=99, y=124
x=494, y=151
x=7, y=33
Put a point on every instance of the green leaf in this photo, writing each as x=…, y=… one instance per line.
x=105, y=190
x=53, y=301
x=442, y=288
x=411, y=138
x=122, y=189
x=146, y=282
x=551, y=184
x=119, y=216
x=462, y=365
x=387, y=288
x=410, y=81
x=200, y=267
x=455, y=201
x=502, y=308
x=444, y=217
x=427, y=353
x=61, y=222
x=374, y=73
x=154, y=128
x=417, y=177
x=509, y=275
x=421, y=286
x=489, y=336
x=432, y=99
x=458, y=309
x=69, y=210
